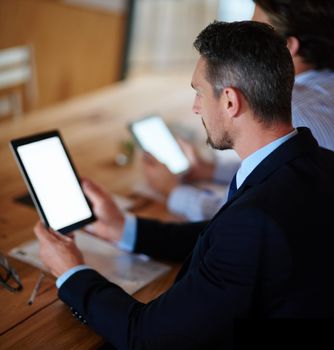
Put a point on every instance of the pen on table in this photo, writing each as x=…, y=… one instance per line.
x=35, y=290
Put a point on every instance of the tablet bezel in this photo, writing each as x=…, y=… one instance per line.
x=138, y=141
x=14, y=144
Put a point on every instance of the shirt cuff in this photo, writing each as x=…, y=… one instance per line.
x=129, y=236
x=66, y=275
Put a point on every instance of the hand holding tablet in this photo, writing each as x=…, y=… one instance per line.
x=52, y=181
x=153, y=136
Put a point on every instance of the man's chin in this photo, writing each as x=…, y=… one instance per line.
x=220, y=147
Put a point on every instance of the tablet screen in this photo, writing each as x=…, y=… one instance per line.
x=155, y=137
x=53, y=183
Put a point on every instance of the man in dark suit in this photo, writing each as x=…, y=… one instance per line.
x=266, y=254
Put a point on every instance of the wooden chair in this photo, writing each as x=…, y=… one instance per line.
x=18, y=88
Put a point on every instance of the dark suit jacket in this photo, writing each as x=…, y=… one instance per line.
x=268, y=253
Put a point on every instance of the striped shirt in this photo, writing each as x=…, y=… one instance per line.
x=313, y=105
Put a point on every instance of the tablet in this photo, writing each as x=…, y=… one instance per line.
x=52, y=181
x=153, y=136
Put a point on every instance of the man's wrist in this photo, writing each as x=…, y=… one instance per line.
x=66, y=275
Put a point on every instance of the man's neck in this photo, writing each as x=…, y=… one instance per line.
x=258, y=137
x=300, y=65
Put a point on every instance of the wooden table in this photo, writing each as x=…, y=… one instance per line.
x=93, y=126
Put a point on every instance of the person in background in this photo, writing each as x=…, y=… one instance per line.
x=308, y=28
x=267, y=254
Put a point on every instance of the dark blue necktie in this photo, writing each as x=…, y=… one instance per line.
x=233, y=187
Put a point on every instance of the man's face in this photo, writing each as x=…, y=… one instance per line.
x=211, y=109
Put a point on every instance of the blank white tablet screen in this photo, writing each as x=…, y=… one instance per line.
x=156, y=139
x=54, y=182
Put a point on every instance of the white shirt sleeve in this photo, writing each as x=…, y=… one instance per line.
x=198, y=204
x=195, y=204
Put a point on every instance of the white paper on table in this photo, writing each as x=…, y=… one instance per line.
x=130, y=271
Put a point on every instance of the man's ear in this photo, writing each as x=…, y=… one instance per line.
x=231, y=101
x=293, y=45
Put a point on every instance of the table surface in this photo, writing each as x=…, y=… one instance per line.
x=93, y=127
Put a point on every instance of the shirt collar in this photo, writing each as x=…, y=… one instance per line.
x=253, y=160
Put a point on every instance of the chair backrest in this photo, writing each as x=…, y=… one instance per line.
x=18, y=87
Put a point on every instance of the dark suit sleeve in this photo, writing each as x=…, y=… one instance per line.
x=193, y=314
x=170, y=241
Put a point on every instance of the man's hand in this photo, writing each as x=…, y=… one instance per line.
x=200, y=169
x=58, y=252
x=110, y=220
x=158, y=176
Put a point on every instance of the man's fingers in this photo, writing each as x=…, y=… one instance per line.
x=150, y=159
x=65, y=238
x=94, y=192
x=189, y=151
x=44, y=234
x=89, y=229
x=98, y=229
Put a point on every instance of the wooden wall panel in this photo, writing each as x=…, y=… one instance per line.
x=76, y=49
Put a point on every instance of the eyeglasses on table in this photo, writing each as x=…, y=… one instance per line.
x=8, y=276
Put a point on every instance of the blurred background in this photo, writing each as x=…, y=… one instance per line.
x=52, y=50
